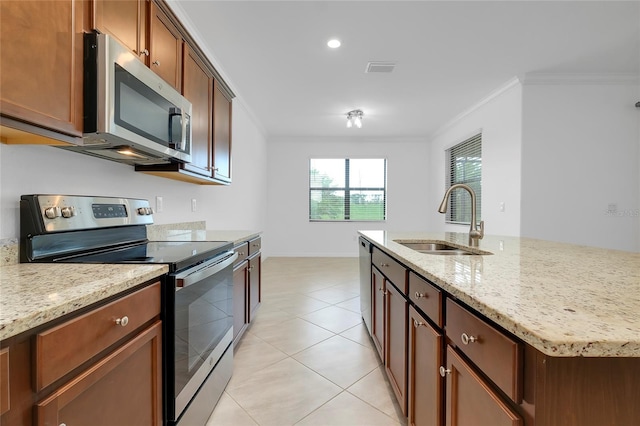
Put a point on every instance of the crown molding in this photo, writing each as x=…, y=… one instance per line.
x=530, y=79
x=511, y=83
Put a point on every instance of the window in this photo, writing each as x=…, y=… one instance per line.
x=347, y=189
x=464, y=165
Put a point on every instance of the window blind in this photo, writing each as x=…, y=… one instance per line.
x=347, y=189
x=464, y=165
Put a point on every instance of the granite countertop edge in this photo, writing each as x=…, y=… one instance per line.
x=564, y=300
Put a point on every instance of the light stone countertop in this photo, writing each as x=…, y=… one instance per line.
x=235, y=237
x=32, y=294
x=564, y=300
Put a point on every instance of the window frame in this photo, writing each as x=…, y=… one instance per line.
x=347, y=189
x=475, y=181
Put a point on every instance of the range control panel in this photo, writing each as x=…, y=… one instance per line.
x=74, y=212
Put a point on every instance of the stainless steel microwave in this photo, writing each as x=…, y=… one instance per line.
x=131, y=115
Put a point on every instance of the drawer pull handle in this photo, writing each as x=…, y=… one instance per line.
x=122, y=321
x=466, y=339
x=444, y=371
x=382, y=265
x=419, y=295
x=417, y=324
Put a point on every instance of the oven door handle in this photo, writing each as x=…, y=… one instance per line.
x=187, y=278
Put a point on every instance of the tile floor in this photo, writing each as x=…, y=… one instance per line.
x=307, y=358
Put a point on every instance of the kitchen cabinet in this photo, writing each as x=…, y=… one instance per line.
x=247, y=285
x=221, y=133
x=100, y=366
x=390, y=278
x=425, y=385
x=470, y=401
x=240, y=291
x=41, y=54
x=165, y=47
x=127, y=21
x=197, y=87
x=255, y=277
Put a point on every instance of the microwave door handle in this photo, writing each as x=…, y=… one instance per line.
x=186, y=279
x=173, y=112
x=183, y=139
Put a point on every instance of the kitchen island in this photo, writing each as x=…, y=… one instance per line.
x=567, y=316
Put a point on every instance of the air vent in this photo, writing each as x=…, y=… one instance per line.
x=380, y=67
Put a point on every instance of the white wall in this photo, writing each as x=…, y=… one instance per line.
x=27, y=169
x=581, y=152
x=289, y=231
x=499, y=117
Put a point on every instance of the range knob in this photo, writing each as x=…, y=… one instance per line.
x=143, y=211
x=68, y=211
x=52, y=212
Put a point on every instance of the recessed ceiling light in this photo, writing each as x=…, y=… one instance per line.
x=334, y=43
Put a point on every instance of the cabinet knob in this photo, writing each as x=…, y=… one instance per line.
x=417, y=324
x=466, y=339
x=444, y=371
x=145, y=52
x=122, y=321
x=156, y=63
x=419, y=295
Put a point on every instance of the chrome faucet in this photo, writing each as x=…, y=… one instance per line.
x=475, y=234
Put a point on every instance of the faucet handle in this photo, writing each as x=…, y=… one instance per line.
x=481, y=229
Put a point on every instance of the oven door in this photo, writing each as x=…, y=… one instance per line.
x=201, y=327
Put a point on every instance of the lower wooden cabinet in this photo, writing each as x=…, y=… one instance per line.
x=240, y=297
x=377, y=309
x=470, y=401
x=425, y=385
x=396, y=308
x=123, y=388
x=255, y=284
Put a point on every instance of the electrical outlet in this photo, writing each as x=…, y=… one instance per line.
x=193, y=205
x=501, y=206
x=159, y=204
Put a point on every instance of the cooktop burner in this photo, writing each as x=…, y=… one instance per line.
x=176, y=254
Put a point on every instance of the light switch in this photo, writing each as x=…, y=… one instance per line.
x=193, y=205
x=159, y=204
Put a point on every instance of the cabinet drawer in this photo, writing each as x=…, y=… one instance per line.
x=498, y=355
x=394, y=271
x=243, y=253
x=61, y=349
x=255, y=245
x=426, y=297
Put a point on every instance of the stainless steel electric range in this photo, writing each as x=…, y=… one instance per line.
x=197, y=304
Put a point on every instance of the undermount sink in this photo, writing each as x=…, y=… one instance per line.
x=435, y=248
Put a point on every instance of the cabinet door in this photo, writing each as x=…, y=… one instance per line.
x=255, y=283
x=127, y=21
x=425, y=387
x=377, y=309
x=470, y=401
x=165, y=48
x=41, y=63
x=396, y=343
x=197, y=87
x=240, y=279
x=221, y=135
x=124, y=388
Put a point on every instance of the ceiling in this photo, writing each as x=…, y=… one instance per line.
x=449, y=55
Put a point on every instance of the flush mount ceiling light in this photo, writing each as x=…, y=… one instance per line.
x=355, y=118
x=334, y=43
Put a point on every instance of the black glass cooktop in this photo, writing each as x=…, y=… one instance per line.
x=177, y=254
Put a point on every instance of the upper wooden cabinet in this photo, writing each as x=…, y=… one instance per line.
x=221, y=134
x=41, y=65
x=165, y=48
x=197, y=87
x=127, y=21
